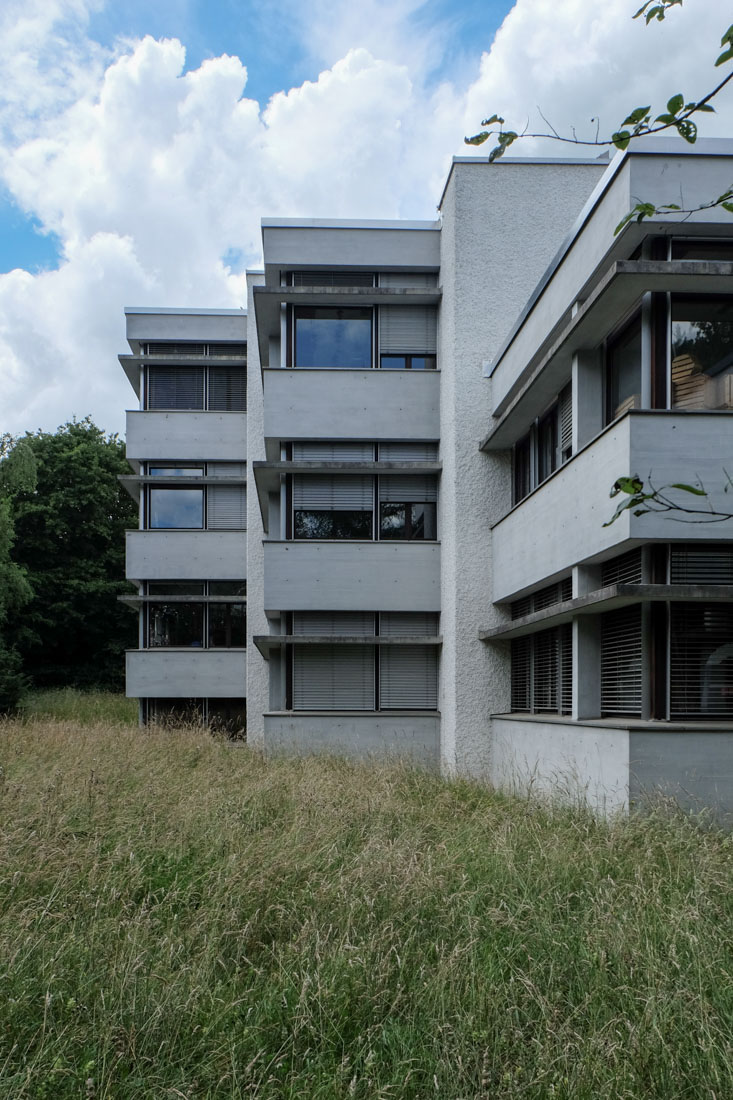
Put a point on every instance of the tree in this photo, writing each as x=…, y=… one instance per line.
x=679, y=116
x=17, y=474
x=70, y=541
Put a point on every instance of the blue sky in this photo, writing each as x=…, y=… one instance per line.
x=268, y=39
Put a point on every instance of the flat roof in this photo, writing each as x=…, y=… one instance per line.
x=186, y=311
x=346, y=223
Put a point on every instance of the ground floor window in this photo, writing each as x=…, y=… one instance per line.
x=223, y=716
x=542, y=672
x=198, y=614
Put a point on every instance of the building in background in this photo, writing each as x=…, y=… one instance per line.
x=436, y=414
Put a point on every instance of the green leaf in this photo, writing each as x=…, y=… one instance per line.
x=726, y=56
x=621, y=139
x=670, y=206
x=477, y=139
x=492, y=121
x=668, y=120
x=637, y=115
x=707, y=107
x=689, y=489
x=631, y=485
x=727, y=206
x=687, y=129
x=675, y=103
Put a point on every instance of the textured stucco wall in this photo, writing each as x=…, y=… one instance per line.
x=502, y=224
x=572, y=763
x=258, y=693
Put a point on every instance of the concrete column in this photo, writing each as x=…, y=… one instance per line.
x=587, y=397
x=587, y=667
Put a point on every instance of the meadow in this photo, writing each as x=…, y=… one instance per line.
x=182, y=917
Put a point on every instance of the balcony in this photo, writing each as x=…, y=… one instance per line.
x=571, y=507
x=352, y=576
x=186, y=673
x=186, y=555
x=186, y=436
x=352, y=404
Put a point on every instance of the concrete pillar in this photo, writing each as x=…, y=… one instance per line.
x=587, y=397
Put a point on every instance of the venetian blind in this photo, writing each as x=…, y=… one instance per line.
x=621, y=662
x=405, y=487
x=408, y=677
x=175, y=388
x=408, y=330
x=333, y=493
x=333, y=677
x=226, y=507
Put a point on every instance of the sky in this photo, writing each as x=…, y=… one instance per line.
x=140, y=144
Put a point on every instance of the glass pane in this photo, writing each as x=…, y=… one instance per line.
x=423, y=518
x=624, y=372
x=175, y=588
x=175, y=624
x=394, y=362
x=422, y=362
x=392, y=521
x=702, y=250
x=176, y=712
x=702, y=352
x=176, y=508
x=227, y=588
x=547, y=445
x=332, y=525
x=522, y=468
x=229, y=717
x=227, y=625
x=333, y=338
x=176, y=471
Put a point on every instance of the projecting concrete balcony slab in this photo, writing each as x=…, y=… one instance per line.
x=186, y=436
x=186, y=673
x=561, y=523
x=186, y=555
x=352, y=404
x=352, y=576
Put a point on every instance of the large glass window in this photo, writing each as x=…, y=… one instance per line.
x=333, y=338
x=184, y=621
x=407, y=521
x=702, y=352
x=196, y=388
x=408, y=362
x=701, y=661
x=623, y=377
x=176, y=508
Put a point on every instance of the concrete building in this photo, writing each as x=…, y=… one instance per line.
x=436, y=414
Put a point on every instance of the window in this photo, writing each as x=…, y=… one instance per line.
x=332, y=338
x=623, y=371
x=196, y=507
x=407, y=362
x=221, y=389
x=622, y=680
x=547, y=445
x=175, y=618
x=701, y=661
x=408, y=337
x=702, y=352
x=548, y=596
x=223, y=716
x=327, y=506
x=365, y=677
x=542, y=672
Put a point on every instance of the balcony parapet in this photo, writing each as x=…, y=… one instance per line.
x=169, y=673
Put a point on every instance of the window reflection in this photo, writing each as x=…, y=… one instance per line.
x=624, y=371
x=313, y=524
x=333, y=338
x=176, y=508
x=702, y=352
x=406, y=521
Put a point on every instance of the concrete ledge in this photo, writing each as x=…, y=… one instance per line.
x=413, y=736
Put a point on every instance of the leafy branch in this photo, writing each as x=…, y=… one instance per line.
x=679, y=116
x=640, y=498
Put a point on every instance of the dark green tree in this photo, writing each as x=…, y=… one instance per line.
x=69, y=538
x=17, y=473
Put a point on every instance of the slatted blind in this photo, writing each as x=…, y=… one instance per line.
x=226, y=469
x=625, y=569
x=701, y=565
x=544, y=673
x=168, y=347
x=326, y=451
x=333, y=677
x=227, y=389
x=238, y=351
x=407, y=623
x=565, y=637
x=226, y=507
x=175, y=388
x=521, y=692
x=332, y=278
x=408, y=677
x=621, y=662
x=565, y=414
x=408, y=452
x=544, y=597
x=408, y=278
x=341, y=492
x=407, y=329
x=334, y=622
x=405, y=487
x=701, y=661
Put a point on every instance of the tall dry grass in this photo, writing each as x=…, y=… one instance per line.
x=180, y=917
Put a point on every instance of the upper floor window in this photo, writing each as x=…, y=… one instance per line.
x=364, y=507
x=215, y=620
x=218, y=389
x=547, y=445
x=623, y=371
x=333, y=338
x=171, y=506
x=702, y=352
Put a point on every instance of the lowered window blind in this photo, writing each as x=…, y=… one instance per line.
x=226, y=507
x=408, y=329
x=545, y=679
x=408, y=278
x=408, y=677
x=333, y=452
x=404, y=487
x=227, y=389
x=334, y=622
x=408, y=452
x=231, y=350
x=333, y=493
x=565, y=413
x=701, y=565
x=333, y=677
x=175, y=388
x=565, y=634
x=226, y=469
x=408, y=623
x=621, y=662
x=542, y=672
x=542, y=598
x=174, y=348
x=701, y=661
x=521, y=695
x=332, y=278
x=625, y=569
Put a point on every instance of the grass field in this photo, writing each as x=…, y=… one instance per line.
x=180, y=917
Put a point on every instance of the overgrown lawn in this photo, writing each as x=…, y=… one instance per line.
x=180, y=917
